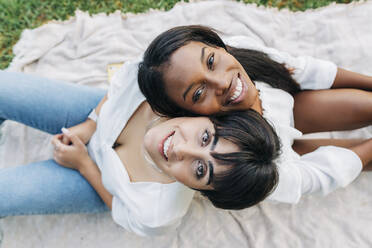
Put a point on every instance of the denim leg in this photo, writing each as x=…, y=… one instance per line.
x=45, y=104
x=48, y=105
x=46, y=188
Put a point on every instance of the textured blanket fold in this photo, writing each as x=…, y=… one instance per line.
x=79, y=50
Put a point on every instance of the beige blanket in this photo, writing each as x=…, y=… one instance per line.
x=79, y=50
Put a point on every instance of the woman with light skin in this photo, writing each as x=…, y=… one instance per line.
x=134, y=159
x=189, y=71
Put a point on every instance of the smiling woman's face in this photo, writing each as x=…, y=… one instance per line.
x=181, y=148
x=208, y=80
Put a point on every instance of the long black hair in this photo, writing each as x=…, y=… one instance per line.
x=258, y=65
x=251, y=174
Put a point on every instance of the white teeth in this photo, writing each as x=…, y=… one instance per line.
x=166, y=145
x=238, y=90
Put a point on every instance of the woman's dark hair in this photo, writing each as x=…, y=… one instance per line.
x=258, y=66
x=251, y=173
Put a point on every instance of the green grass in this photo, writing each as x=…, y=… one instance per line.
x=16, y=15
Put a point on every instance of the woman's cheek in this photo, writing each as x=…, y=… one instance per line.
x=179, y=172
x=210, y=106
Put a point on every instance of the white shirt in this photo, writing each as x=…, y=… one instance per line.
x=152, y=208
x=318, y=172
x=146, y=208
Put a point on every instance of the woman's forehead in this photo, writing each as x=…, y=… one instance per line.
x=225, y=146
x=183, y=70
x=185, y=64
x=189, y=52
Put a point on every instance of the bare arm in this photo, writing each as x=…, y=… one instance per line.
x=75, y=156
x=364, y=151
x=332, y=110
x=349, y=79
x=303, y=146
x=363, y=148
x=349, y=104
x=85, y=129
x=92, y=174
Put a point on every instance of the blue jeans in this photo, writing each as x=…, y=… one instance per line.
x=45, y=187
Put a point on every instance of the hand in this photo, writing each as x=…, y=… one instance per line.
x=74, y=155
x=83, y=130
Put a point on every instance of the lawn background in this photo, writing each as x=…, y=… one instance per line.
x=16, y=15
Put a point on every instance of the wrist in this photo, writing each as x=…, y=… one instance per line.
x=89, y=127
x=86, y=166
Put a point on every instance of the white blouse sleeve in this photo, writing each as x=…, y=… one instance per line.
x=320, y=172
x=127, y=74
x=311, y=73
x=328, y=168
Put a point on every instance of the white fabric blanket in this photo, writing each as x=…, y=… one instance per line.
x=79, y=50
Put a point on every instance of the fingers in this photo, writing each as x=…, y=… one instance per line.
x=74, y=139
x=57, y=142
x=58, y=145
x=60, y=150
x=62, y=137
x=59, y=157
x=56, y=138
x=65, y=140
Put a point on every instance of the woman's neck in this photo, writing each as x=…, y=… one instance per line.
x=139, y=166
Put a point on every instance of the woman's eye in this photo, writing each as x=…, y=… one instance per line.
x=210, y=61
x=200, y=170
x=198, y=94
x=205, y=138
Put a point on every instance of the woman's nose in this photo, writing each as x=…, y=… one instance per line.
x=219, y=84
x=185, y=150
x=179, y=152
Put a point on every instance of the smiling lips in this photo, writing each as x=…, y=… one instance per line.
x=164, y=145
x=237, y=92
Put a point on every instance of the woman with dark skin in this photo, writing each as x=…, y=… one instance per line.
x=190, y=71
x=350, y=93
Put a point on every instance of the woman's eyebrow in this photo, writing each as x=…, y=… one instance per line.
x=210, y=179
x=210, y=164
x=202, y=54
x=214, y=143
x=187, y=91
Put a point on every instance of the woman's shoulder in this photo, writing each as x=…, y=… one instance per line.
x=277, y=108
x=124, y=98
x=124, y=76
x=275, y=102
x=145, y=208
